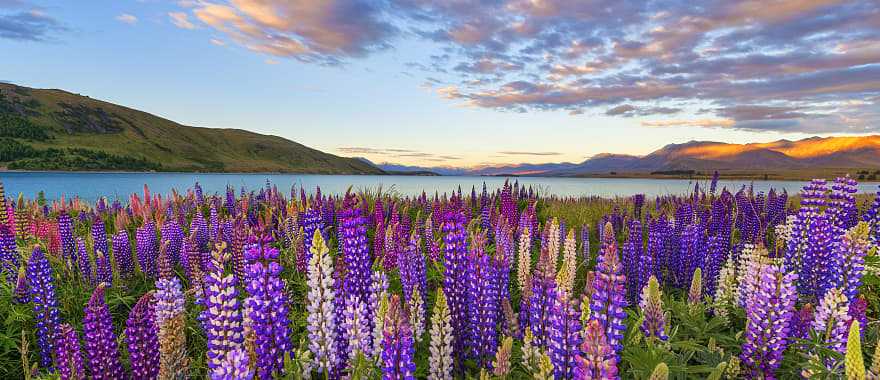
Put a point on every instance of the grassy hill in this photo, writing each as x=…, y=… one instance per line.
x=43, y=129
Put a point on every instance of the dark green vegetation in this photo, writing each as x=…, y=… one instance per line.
x=43, y=129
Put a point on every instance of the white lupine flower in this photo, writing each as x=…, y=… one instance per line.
x=524, y=260
x=321, y=323
x=357, y=328
x=417, y=315
x=568, y=270
x=553, y=242
x=440, y=360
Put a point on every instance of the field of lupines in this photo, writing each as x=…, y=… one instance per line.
x=256, y=283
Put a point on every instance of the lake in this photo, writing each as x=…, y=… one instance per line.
x=90, y=186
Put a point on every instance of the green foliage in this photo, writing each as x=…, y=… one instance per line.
x=20, y=127
x=24, y=157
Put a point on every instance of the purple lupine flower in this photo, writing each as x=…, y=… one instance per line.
x=9, y=256
x=858, y=309
x=769, y=310
x=147, y=248
x=173, y=361
x=802, y=321
x=597, y=359
x=101, y=348
x=842, y=203
x=68, y=355
x=714, y=183
x=397, y=343
x=800, y=252
x=412, y=268
x=816, y=261
x=222, y=317
x=235, y=366
x=103, y=268
x=356, y=327
x=65, y=234
x=633, y=254
x=122, y=254
x=213, y=224
x=483, y=294
x=141, y=334
x=84, y=262
x=848, y=256
x=508, y=205
x=355, y=249
x=311, y=222
x=267, y=304
x=99, y=236
x=565, y=336
x=609, y=292
x=172, y=234
x=20, y=293
x=540, y=303
x=45, y=304
x=651, y=306
x=455, y=275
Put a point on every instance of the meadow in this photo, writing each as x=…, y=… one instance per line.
x=512, y=284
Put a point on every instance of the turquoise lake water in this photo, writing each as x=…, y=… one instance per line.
x=89, y=186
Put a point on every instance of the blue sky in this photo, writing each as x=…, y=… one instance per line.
x=466, y=82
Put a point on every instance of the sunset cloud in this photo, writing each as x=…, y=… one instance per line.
x=181, y=20
x=620, y=59
x=127, y=19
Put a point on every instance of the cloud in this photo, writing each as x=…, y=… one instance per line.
x=705, y=123
x=217, y=42
x=325, y=32
x=127, y=19
x=623, y=59
x=32, y=25
x=181, y=20
x=519, y=153
x=395, y=152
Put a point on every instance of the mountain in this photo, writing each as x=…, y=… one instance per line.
x=846, y=152
x=811, y=155
x=48, y=129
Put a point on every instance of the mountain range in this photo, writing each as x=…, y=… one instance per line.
x=49, y=129
x=810, y=154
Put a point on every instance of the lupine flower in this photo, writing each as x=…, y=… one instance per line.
x=103, y=268
x=455, y=276
x=568, y=269
x=802, y=321
x=854, y=367
x=565, y=337
x=321, y=321
x=101, y=348
x=540, y=302
x=234, y=366
x=397, y=343
x=769, y=309
x=311, y=222
x=68, y=355
x=440, y=359
x=483, y=295
x=858, y=309
x=651, y=306
x=267, y=306
x=65, y=233
x=597, y=359
x=356, y=327
x=84, y=262
x=20, y=294
x=45, y=304
x=147, y=248
x=172, y=233
x=633, y=255
x=142, y=337
x=222, y=316
x=609, y=292
x=102, y=264
x=173, y=361
x=524, y=260
x=417, y=315
x=355, y=250
x=832, y=320
x=849, y=260
x=122, y=254
x=376, y=306
x=695, y=293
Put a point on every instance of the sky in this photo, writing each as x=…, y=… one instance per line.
x=465, y=82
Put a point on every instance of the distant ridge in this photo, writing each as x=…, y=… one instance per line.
x=48, y=129
x=815, y=153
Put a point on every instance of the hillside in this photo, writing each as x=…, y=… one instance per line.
x=46, y=129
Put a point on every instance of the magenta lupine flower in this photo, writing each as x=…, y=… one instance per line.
x=122, y=254
x=172, y=234
x=267, y=304
x=68, y=355
x=141, y=334
x=101, y=348
x=508, y=205
x=397, y=343
x=565, y=336
x=45, y=304
x=609, y=291
x=235, y=366
x=222, y=317
x=147, y=248
x=769, y=310
x=455, y=275
x=858, y=309
x=597, y=360
x=84, y=262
